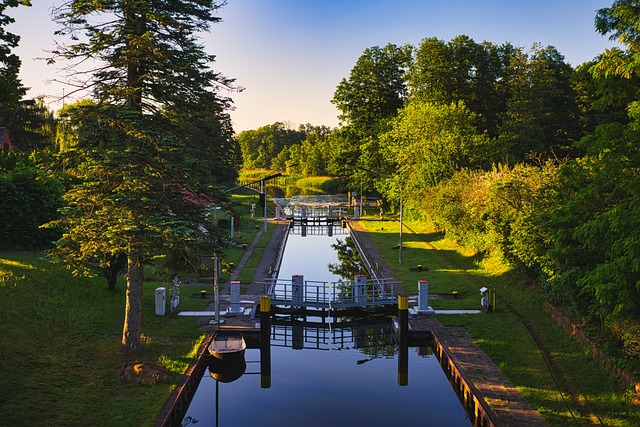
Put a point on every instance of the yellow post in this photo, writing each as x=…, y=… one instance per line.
x=403, y=347
x=265, y=304
x=265, y=342
x=403, y=302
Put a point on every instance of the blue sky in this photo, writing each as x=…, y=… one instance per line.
x=290, y=55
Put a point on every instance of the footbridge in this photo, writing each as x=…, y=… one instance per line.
x=326, y=218
x=359, y=292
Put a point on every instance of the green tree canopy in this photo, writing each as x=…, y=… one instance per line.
x=375, y=89
x=542, y=111
x=150, y=149
x=11, y=89
x=30, y=198
x=429, y=142
x=261, y=145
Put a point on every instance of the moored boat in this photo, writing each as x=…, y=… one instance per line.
x=227, y=345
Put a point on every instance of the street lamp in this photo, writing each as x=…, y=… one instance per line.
x=360, y=196
x=400, y=245
x=216, y=292
x=262, y=192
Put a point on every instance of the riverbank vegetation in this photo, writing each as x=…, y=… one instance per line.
x=557, y=376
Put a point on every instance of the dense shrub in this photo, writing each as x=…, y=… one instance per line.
x=30, y=199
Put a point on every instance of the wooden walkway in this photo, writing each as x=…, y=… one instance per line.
x=486, y=381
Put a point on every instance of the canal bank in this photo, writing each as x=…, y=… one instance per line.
x=470, y=369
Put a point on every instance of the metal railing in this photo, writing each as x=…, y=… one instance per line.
x=340, y=294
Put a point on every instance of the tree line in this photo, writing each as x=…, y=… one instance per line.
x=513, y=152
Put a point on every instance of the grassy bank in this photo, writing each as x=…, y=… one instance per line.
x=517, y=336
x=60, y=341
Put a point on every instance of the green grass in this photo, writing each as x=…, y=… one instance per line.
x=443, y=263
x=250, y=267
x=60, y=340
x=501, y=334
x=322, y=184
x=60, y=343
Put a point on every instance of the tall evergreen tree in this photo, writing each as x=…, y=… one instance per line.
x=11, y=89
x=153, y=143
x=542, y=112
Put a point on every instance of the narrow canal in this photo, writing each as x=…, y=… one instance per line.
x=330, y=374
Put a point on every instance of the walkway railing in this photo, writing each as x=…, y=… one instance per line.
x=363, y=256
x=332, y=295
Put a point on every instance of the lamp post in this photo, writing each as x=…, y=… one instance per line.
x=263, y=190
x=216, y=292
x=360, y=196
x=400, y=244
x=401, y=210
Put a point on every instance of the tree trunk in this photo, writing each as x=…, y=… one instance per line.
x=114, y=267
x=133, y=309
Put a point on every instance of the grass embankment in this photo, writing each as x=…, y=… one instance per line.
x=60, y=342
x=60, y=345
x=507, y=334
x=244, y=233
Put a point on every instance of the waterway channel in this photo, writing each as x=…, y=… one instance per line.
x=343, y=374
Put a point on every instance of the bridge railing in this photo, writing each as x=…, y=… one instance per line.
x=363, y=256
x=338, y=294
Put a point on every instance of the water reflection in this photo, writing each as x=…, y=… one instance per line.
x=338, y=377
x=310, y=253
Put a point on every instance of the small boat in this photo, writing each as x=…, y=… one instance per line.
x=227, y=345
x=227, y=363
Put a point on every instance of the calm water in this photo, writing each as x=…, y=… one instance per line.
x=311, y=254
x=330, y=388
x=327, y=376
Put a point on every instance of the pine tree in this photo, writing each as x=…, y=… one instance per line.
x=156, y=142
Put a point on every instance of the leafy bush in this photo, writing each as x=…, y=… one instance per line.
x=30, y=199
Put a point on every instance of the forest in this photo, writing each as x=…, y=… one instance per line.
x=511, y=151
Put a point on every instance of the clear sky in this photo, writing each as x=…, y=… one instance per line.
x=290, y=55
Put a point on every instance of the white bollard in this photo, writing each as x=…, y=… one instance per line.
x=297, y=290
x=235, y=298
x=359, y=288
x=423, y=297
